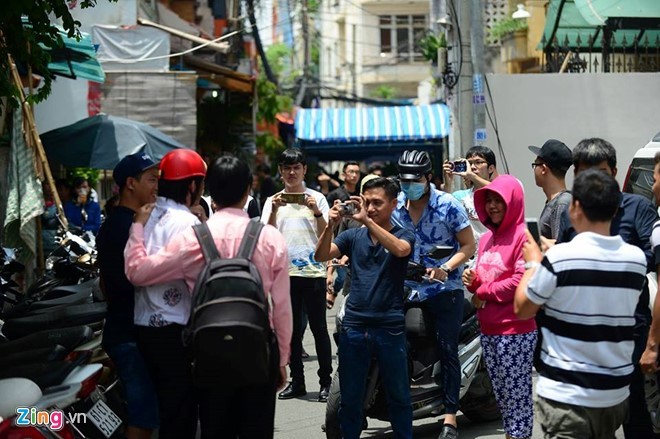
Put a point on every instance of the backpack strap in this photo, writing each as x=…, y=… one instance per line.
x=250, y=239
x=209, y=250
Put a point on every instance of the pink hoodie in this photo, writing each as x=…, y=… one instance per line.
x=500, y=264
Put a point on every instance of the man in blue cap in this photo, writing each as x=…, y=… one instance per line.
x=137, y=178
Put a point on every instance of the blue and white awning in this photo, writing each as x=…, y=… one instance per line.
x=372, y=125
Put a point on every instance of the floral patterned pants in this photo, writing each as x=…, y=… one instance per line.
x=509, y=364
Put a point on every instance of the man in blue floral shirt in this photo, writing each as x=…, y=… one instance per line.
x=437, y=218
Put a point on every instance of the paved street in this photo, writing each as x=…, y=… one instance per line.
x=302, y=418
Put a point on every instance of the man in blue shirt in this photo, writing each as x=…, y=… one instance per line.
x=634, y=223
x=137, y=178
x=374, y=322
x=437, y=218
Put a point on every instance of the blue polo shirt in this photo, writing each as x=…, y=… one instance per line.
x=442, y=219
x=633, y=222
x=376, y=294
x=119, y=292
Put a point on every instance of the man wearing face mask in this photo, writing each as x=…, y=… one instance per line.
x=437, y=218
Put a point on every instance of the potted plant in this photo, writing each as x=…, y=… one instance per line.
x=512, y=35
x=430, y=44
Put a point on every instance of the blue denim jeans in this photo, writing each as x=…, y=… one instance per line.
x=357, y=346
x=447, y=310
x=140, y=393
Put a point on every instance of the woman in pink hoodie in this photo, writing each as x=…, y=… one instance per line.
x=507, y=341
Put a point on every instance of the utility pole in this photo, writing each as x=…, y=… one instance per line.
x=307, y=53
x=462, y=61
x=478, y=82
x=354, y=66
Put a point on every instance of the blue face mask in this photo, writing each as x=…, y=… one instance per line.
x=413, y=191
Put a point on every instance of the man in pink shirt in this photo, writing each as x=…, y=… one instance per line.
x=244, y=412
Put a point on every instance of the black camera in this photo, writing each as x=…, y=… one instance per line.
x=459, y=166
x=347, y=209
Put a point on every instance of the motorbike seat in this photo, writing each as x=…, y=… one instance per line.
x=17, y=392
x=49, y=353
x=418, y=322
x=468, y=310
x=48, y=303
x=60, y=318
x=70, y=338
x=87, y=286
x=43, y=374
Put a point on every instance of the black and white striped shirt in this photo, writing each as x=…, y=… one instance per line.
x=589, y=288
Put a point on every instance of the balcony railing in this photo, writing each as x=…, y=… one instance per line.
x=608, y=54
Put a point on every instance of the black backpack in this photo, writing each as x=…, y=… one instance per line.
x=228, y=334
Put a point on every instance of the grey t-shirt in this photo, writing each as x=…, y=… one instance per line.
x=550, y=219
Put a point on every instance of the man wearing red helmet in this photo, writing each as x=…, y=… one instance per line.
x=162, y=310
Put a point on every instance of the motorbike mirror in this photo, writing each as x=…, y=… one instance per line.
x=440, y=252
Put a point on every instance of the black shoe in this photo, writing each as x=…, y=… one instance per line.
x=304, y=355
x=448, y=432
x=324, y=393
x=293, y=390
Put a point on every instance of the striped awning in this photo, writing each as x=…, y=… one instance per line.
x=372, y=125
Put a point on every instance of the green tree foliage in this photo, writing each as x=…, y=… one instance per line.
x=384, y=92
x=29, y=45
x=430, y=44
x=89, y=174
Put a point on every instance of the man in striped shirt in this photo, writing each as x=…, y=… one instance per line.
x=589, y=288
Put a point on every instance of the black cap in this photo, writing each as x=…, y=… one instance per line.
x=555, y=154
x=131, y=166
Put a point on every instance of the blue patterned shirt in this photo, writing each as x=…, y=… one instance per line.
x=442, y=219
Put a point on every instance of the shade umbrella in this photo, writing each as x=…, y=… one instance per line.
x=100, y=141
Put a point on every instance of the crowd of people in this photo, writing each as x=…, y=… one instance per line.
x=541, y=303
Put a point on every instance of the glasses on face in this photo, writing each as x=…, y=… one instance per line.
x=534, y=165
x=477, y=162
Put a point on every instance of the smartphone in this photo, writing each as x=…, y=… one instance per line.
x=293, y=198
x=459, y=166
x=533, y=227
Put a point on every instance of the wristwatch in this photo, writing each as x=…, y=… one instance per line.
x=531, y=264
x=445, y=268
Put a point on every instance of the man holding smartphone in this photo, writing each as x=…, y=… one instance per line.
x=374, y=322
x=480, y=171
x=301, y=215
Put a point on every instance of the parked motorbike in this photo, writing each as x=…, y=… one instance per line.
x=52, y=337
x=477, y=399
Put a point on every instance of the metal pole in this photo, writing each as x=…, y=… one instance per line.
x=463, y=55
x=354, y=66
x=477, y=51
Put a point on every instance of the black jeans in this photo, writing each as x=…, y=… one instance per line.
x=308, y=295
x=169, y=368
x=447, y=310
x=638, y=425
x=240, y=412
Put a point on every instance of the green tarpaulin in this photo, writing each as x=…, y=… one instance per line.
x=77, y=59
x=579, y=23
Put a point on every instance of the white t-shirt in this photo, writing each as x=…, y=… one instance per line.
x=298, y=225
x=160, y=305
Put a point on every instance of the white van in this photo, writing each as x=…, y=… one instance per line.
x=639, y=180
